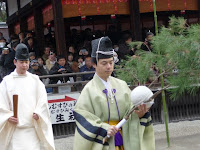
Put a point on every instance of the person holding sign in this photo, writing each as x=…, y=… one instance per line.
x=103, y=103
x=25, y=120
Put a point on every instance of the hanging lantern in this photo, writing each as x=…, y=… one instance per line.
x=49, y=24
x=113, y=16
x=182, y=12
x=83, y=20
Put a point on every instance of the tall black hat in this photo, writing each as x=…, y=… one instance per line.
x=22, y=52
x=102, y=48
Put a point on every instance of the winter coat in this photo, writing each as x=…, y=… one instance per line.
x=54, y=70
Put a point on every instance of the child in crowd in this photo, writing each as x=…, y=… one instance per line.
x=81, y=62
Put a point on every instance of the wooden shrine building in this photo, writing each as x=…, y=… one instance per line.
x=64, y=15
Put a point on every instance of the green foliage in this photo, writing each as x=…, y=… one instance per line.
x=136, y=44
x=176, y=47
x=3, y=15
x=177, y=26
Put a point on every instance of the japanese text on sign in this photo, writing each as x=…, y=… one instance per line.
x=61, y=108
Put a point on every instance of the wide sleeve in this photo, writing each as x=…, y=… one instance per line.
x=6, y=128
x=90, y=129
x=147, y=139
x=43, y=125
x=138, y=132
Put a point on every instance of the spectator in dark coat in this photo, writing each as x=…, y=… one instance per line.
x=41, y=64
x=1, y=34
x=60, y=67
x=73, y=64
x=5, y=52
x=2, y=44
x=81, y=62
x=73, y=51
x=13, y=38
x=46, y=54
x=21, y=37
x=32, y=46
x=147, y=46
x=29, y=34
x=32, y=56
x=124, y=48
x=35, y=68
x=7, y=59
x=87, y=67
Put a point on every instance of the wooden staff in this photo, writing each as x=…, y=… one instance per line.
x=123, y=121
x=15, y=105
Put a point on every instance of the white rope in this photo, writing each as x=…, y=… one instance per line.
x=106, y=53
x=98, y=49
x=102, y=52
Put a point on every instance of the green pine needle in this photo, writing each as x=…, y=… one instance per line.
x=176, y=47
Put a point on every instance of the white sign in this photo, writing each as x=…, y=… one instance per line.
x=61, y=107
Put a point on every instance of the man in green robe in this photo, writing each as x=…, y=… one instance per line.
x=103, y=102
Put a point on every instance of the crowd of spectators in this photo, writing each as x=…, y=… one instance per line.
x=78, y=51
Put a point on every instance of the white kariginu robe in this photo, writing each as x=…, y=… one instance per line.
x=32, y=98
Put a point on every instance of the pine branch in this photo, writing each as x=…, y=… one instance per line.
x=161, y=75
x=176, y=47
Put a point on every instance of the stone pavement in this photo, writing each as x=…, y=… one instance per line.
x=183, y=136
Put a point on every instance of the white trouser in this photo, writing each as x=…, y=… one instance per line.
x=24, y=139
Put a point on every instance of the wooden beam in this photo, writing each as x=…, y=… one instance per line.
x=11, y=29
x=23, y=24
x=135, y=19
x=7, y=8
x=199, y=5
x=39, y=32
x=18, y=4
x=10, y=26
x=59, y=27
x=26, y=10
x=39, y=3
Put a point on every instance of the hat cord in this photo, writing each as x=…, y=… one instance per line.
x=106, y=53
x=98, y=49
x=102, y=52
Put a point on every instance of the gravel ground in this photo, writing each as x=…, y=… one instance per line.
x=183, y=136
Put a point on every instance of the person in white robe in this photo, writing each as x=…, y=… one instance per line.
x=32, y=126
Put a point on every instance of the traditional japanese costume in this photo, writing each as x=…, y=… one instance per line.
x=32, y=98
x=102, y=104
